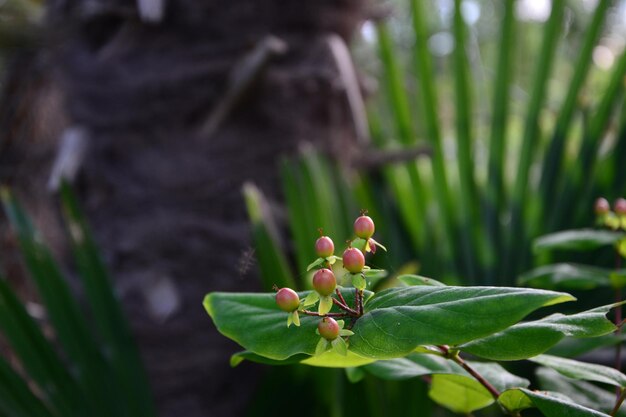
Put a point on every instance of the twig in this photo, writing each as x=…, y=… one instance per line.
x=340, y=295
x=313, y=313
x=456, y=358
x=345, y=307
x=619, y=402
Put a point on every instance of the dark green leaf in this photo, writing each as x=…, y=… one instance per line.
x=419, y=280
x=567, y=276
x=581, y=392
x=246, y=355
x=255, y=322
x=397, y=320
x=582, y=370
x=529, y=339
x=580, y=240
x=355, y=375
x=550, y=405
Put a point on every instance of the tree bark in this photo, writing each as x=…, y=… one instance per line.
x=162, y=191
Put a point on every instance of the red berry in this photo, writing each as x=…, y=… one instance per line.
x=287, y=300
x=353, y=260
x=620, y=206
x=328, y=328
x=324, y=282
x=601, y=206
x=324, y=247
x=364, y=227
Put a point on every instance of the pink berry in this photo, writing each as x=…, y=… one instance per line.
x=601, y=206
x=328, y=328
x=287, y=300
x=324, y=247
x=353, y=260
x=324, y=282
x=364, y=227
x=620, y=206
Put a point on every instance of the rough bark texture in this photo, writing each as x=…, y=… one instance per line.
x=165, y=200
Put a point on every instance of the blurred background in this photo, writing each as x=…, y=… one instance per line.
x=203, y=143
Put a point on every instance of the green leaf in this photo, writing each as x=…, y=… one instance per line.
x=295, y=318
x=310, y=299
x=570, y=347
x=358, y=281
x=419, y=280
x=239, y=357
x=256, y=323
x=331, y=359
x=582, y=370
x=528, y=339
x=315, y=263
x=566, y=276
x=580, y=240
x=397, y=320
x=515, y=400
x=322, y=346
x=372, y=241
x=581, y=392
x=354, y=374
x=339, y=346
x=420, y=364
x=549, y=404
x=459, y=393
x=326, y=304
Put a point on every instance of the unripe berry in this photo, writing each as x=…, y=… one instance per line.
x=620, y=207
x=601, y=206
x=353, y=260
x=324, y=247
x=324, y=282
x=364, y=227
x=328, y=328
x=287, y=300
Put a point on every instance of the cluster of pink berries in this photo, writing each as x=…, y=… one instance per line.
x=615, y=219
x=325, y=285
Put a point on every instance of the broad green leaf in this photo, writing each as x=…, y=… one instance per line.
x=528, y=339
x=567, y=276
x=419, y=364
x=246, y=355
x=581, y=392
x=549, y=404
x=582, y=370
x=419, y=280
x=315, y=263
x=570, y=347
x=459, y=393
x=331, y=359
x=581, y=239
x=397, y=320
x=355, y=374
x=515, y=400
x=255, y=322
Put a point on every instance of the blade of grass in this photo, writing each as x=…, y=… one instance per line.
x=497, y=143
x=430, y=105
x=68, y=321
x=578, y=181
x=405, y=181
x=38, y=357
x=553, y=160
x=517, y=237
x=16, y=399
x=273, y=265
x=471, y=236
x=109, y=319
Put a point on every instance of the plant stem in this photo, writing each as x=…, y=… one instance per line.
x=344, y=307
x=454, y=356
x=340, y=295
x=619, y=402
x=313, y=313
